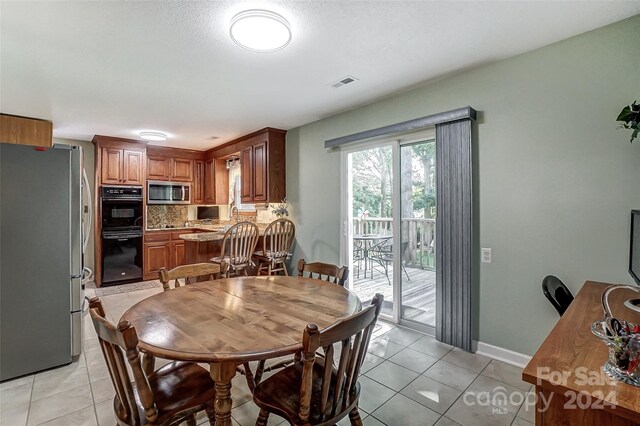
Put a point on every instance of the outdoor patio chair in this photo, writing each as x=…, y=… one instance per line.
x=382, y=254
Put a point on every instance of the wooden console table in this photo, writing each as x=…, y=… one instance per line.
x=567, y=371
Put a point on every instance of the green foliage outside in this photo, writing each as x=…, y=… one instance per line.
x=372, y=182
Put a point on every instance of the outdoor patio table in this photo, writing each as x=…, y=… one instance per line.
x=228, y=322
x=365, y=242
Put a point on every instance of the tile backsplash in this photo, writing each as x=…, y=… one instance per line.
x=159, y=216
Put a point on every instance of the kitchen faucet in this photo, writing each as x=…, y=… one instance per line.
x=237, y=213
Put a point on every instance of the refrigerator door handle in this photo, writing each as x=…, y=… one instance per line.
x=89, y=204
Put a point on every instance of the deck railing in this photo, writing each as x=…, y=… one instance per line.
x=420, y=234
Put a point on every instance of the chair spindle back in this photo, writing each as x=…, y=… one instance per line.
x=116, y=343
x=352, y=335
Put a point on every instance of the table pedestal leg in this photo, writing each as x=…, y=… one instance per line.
x=222, y=373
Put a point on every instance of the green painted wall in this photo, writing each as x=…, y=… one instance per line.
x=556, y=177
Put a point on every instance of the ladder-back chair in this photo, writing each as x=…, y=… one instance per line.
x=323, y=271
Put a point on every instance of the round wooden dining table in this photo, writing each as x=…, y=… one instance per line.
x=231, y=321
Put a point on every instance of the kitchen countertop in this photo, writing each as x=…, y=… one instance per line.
x=213, y=236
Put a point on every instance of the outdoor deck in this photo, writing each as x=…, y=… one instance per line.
x=419, y=292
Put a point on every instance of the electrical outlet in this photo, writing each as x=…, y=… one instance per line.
x=486, y=255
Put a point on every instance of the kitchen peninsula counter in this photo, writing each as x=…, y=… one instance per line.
x=202, y=246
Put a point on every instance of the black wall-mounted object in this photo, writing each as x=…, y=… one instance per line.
x=634, y=249
x=212, y=212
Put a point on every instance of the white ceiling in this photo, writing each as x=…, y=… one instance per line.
x=116, y=68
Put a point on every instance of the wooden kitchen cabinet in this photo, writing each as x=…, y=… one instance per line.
x=163, y=167
x=182, y=169
x=246, y=175
x=209, y=181
x=156, y=256
x=158, y=168
x=163, y=250
x=177, y=254
x=198, y=182
x=25, y=131
x=262, y=164
x=260, y=167
x=132, y=167
x=121, y=166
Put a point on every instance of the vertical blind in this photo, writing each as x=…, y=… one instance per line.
x=454, y=241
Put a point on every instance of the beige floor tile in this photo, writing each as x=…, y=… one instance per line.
x=60, y=404
x=431, y=346
x=518, y=421
x=473, y=362
x=57, y=381
x=473, y=414
x=434, y=395
x=373, y=394
x=451, y=374
x=413, y=360
x=384, y=348
x=528, y=408
x=506, y=373
x=490, y=391
x=402, y=336
x=444, y=421
x=383, y=327
x=370, y=361
x=104, y=413
x=401, y=410
x=392, y=375
x=346, y=422
x=16, y=382
x=84, y=417
x=240, y=392
x=372, y=421
x=15, y=415
x=16, y=395
x=247, y=414
x=102, y=390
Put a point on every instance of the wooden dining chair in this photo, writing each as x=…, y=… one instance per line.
x=237, y=249
x=277, y=241
x=168, y=396
x=323, y=271
x=188, y=273
x=314, y=391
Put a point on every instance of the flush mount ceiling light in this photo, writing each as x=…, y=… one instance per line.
x=153, y=136
x=260, y=30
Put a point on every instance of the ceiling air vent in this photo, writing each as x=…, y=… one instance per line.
x=348, y=79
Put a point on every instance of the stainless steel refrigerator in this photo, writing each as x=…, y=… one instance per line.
x=41, y=257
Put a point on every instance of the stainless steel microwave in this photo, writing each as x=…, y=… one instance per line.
x=159, y=192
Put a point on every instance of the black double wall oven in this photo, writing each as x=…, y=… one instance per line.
x=121, y=211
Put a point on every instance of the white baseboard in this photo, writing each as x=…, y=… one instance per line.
x=504, y=355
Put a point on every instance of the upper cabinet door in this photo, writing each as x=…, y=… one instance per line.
x=111, y=165
x=182, y=169
x=260, y=172
x=209, y=182
x=158, y=168
x=132, y=167
x=246, y=175
x=198, y=182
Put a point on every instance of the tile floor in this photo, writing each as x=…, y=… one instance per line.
x=407, y=379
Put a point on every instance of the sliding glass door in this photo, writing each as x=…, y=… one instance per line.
x=417, y=227
x=370, y=216
x=389, y=213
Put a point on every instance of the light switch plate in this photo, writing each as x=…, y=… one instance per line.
x=486, y=255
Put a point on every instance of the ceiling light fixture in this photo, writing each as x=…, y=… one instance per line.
x=153, y=136
x=260, y=30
